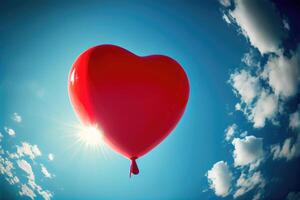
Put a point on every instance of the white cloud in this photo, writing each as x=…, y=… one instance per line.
x=29, y=188
x=238, y=106
x=9, y=131
x=247, y=182
x=246, y=85
x=29, y=191
x=230, y=131
x=260, y=23
x=28, y=150
x=250, y=59
x=244, y=134
x=265, y=108
x=226, y=19
x=291, y=146
x=295, y=120
x=259, y=104
x=26, y=167
x=293, y=196
x=6, y=167
x=13, y=180
x=282, y=74
x=288, y=150
x=50, y=157
x=219, y=178
x=45, y=171
x=248, y=151
x=47, y=195
x=26, y=191
x=225, y=3
x=35, y=150
x=13, y=156
x=286, y=24
x=17, y=118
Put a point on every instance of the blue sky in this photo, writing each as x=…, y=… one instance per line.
x=40, y=41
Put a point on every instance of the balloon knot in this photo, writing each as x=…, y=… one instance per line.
x=133, y=167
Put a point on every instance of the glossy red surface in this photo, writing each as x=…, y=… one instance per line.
x=136, y=101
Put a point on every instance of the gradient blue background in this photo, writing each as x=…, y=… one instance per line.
x=40, y=41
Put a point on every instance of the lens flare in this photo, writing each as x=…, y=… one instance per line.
x=90, y=136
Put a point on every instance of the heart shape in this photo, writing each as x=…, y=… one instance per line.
x=136, y=101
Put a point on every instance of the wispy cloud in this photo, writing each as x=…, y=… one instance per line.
x=290, y=148
x=230, y=132
x=17, y=118
x=247, y=182
x=45, y=171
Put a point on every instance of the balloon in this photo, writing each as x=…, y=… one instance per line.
x=136, y=101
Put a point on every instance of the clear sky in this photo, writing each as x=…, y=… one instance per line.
x=39, y=41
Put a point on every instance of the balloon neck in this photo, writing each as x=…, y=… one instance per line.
x=133, y=167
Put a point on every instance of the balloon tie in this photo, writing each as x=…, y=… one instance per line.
x=133, y=167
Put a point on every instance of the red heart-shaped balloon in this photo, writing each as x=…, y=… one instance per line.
x=136, y=101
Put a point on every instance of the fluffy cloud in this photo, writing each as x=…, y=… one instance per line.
x=31, y=187
x=28, y=150
x=14, y=180
x=260, y=23
x=261, y=105
x=230, y=131
x=47, y=195
x=295, y=120
x=28, y=188
x=50, y=157
x=17, y=118
x=45, y=171
x=270, y=78
x=246, y=85
x=247, y=182
x=248, y=151
x=265, y=108
x=9, y=131
x=26, y=167
x=26, y=191
x=219, y=178
x=282, y=74
x=6, y=167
